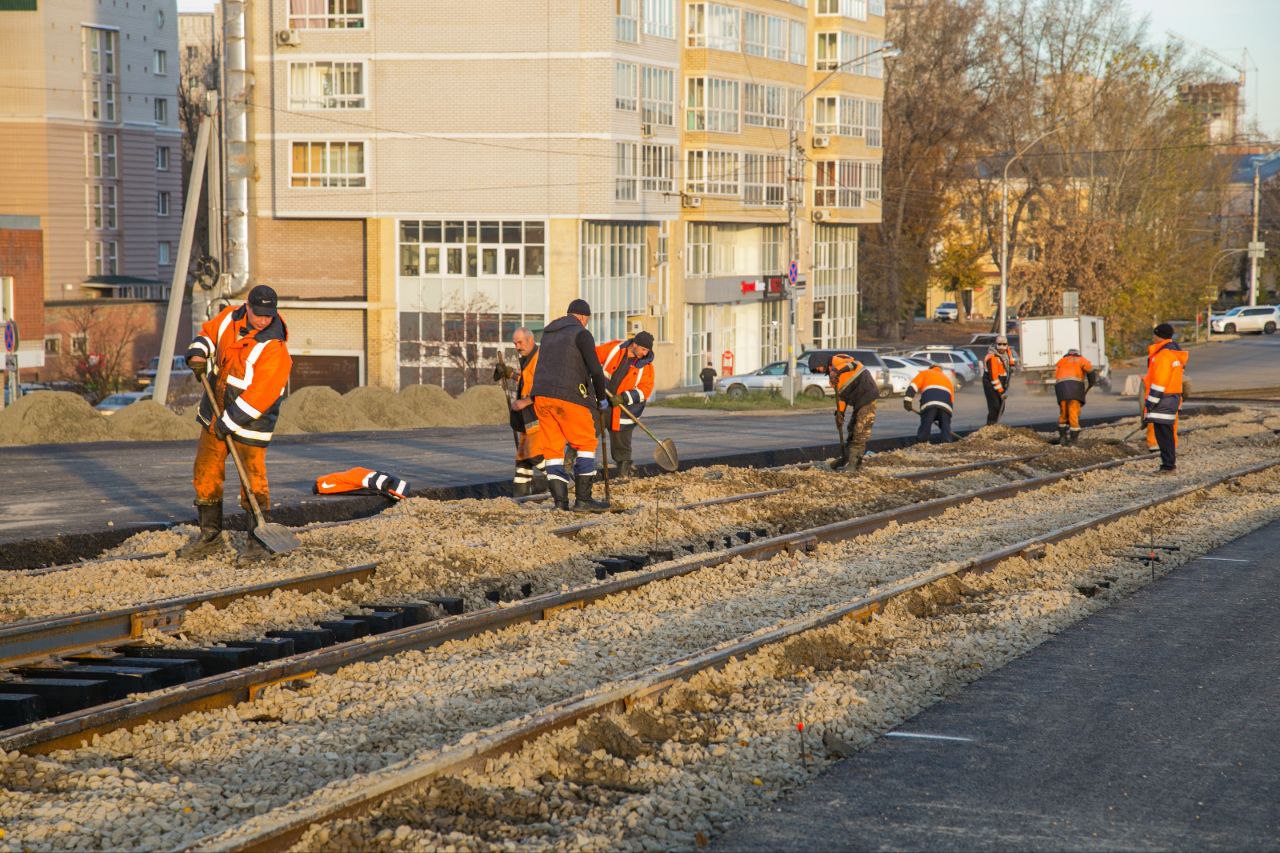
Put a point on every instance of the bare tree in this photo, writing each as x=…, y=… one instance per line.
x=102, y=346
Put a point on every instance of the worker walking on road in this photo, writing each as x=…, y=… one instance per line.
x=936, y=394
x=244, y=351
x=628, y=365
x=530, y=478
x=569, y=386
x=856, y=389
x=1072, y=379
x=1163, y=384
x=995, y=378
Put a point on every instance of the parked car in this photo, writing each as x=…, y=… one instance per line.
x=967, y=369
x=902, y=369
x=1264, y=319
x=946, y=312
x=116, y=402
x=869, y=357
x=147, y=375
x=770, y=378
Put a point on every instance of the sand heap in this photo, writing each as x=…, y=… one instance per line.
x=147, y=420
x=432, y=405
x=383, y=407
x=320, y=409
x=483, y=404
x=51, y=417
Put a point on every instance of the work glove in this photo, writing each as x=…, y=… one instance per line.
x=603, y=405
x=906, y=404
x=614, y=399
x=198, y=366
x=502, y=371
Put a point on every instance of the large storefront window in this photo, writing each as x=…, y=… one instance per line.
x=614, y=275
x=835, y=286
x=464, y=286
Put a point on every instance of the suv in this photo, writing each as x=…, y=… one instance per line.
x=869, y=357
x=1262, y=318
x=966, y=368
x=946, y=311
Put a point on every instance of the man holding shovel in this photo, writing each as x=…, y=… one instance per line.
x=629, y=366
x=243, y=350
x=856, y=391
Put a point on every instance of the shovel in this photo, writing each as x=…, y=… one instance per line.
x=276, y=538
x=665, y=453
x=604, y=451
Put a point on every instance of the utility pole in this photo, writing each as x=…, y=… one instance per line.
x=1255, y=248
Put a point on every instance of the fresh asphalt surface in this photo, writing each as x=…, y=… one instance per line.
x=1151, y=725
x=87, y=488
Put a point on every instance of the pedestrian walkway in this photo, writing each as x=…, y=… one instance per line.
x=1151, y=725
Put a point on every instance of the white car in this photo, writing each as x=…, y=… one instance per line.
x=770, y=378
x=1264, y=319
x=903, y=368
x=946, y=311
x=960, y=362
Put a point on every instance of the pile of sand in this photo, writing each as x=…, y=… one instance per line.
x=52, y=417
x=147, y=420
x=320, y=409
x=432, y=405
x=483, y=404
x=382, y=407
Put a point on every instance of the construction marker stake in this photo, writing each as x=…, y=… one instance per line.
x=804, y=752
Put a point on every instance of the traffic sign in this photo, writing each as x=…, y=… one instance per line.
x=1257, y=249
x=793, y=272
x=10, y=336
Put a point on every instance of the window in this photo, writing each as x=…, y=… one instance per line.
x=841, y=116
x=612, y=269
x=799, y=40
x=875, y=62
x=193, y=52
x=856, y=9
x=164, y=253
x=794, y=107
x=697, y=249
x=624, y=86
x=102, y=258
x=658, y=168
x=80, y=344
x=490, y=248
x=773, y=250
x=162, y=204
x=100, y=49
x=753, y=33
x=162, y=159
x=160, y=62
x=328, y=164
x=101, y=104
x=764, y=179
x=53, y=344
x=627, y=21
x=837, y=183
x=777, y=38
x=713, y=25
x=657, y=96
x=874, y=111
x=840, y=50
x=162, y=110
x=764, y=106
x=712, y=173
x=624, y=184
x=102, y=155
x=660, y=18
x=712, y=105
x=102, y=207
x=826, y=115
x=828, y=56
x=871, y=180
x=326, y=14
x=326, y=86
x=876, y=7
x=835, y=284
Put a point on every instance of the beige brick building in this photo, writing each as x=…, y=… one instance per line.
x=426, y=181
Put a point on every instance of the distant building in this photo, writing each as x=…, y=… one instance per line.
x=1220, y=105
x=22, y=261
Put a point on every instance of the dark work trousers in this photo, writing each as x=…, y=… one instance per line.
x=620, y=443
x=927, y=419
x=995, y=402
x=1168, y=445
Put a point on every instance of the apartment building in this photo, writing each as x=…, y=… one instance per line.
x=424, y=183
x=88, y=116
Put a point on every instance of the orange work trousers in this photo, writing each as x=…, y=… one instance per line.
x=1151, y=435
x=211, y=471
x=1069, y=413
x=561, y=423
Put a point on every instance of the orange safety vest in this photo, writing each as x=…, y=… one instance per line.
x=842, y=372
x=635, y=387
x=1163, y=381
x=933, y=388
x=525, y=420
x=364, y=481
x=1072, y=378
x=995, y=371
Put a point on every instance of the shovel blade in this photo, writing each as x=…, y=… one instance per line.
x=665, y=455
x=276, y=538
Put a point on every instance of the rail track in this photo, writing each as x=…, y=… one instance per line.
x=281, y=827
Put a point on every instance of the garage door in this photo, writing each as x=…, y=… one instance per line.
x=339, y=372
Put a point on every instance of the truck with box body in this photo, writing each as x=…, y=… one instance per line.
x=1044, y=340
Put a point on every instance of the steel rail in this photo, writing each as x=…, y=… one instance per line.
x=940, y=473
x=284, y=826
x=570, y=529
x=71, y=730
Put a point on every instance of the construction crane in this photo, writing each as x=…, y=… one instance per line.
x=1242, y=67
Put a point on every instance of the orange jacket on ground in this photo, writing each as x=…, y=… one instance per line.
x=1163, y=381
x=932, y=388
x=249, y=369
x=634, y=385
x=994, y=372
x=1073, y=377
x=854, y=385
x=363, y=481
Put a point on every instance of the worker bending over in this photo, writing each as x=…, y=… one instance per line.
x=855, y=389
x=628, y=365
x=569, y=386
x=1163, y=384
x=243, y=350
x=936, y=396
x=995, y=378
x=530, y=478
x=1072, y=379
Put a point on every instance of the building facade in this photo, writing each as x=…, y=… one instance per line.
x=426, y=183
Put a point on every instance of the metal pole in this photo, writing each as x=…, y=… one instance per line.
x=1003, y=328
x=793, y=249
x=201, y=298
x=1253, y=256
x=178, y=286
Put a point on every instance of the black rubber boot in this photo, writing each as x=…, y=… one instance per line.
x=559, y=492
x=209, y=541
x=520, y=490
x=1062, y=436
x=583, y=502
x=1073, y=436
x=626, y=470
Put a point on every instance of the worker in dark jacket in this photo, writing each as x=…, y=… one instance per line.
x=1073, y=376
x=569, y=386
x=855, y=389
x=995, y=378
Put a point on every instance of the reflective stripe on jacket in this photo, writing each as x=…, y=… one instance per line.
x=1072, y=378
x=249, y=369
x=852, y=381
x=1163, y=381
x=634, y=385
x=363, y=481
x=932, y=388
x=994, y=372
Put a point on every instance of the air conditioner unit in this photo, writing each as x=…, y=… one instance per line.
x=693, y=201
x=822, y=142
x=288, y=38
x=820, y=216
x=634, y=326
x=646, y=130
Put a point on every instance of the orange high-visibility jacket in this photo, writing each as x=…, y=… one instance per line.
x=1073, y=377
x=854, y=385
x=362, y=481
x=1163, y=381
x=252, y=367
x=995, y=372
x=525, y=420
x=933, y=389
x=634, y=385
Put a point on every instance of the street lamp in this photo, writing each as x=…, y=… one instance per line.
x=796, y=175
x=1004, y=230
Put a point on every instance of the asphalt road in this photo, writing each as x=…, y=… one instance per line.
x=84, y=489
x=1149, y=726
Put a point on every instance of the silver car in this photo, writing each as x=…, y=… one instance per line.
x=960, y=362
x=770, y=378
x=903, y=368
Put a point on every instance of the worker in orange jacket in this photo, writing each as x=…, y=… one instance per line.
x=530, y=476
x=996, y=368
x=1153, y=446
x=855, y=389
x=245, y=353
x=1163, y=384
x=934, y=394
x=1072, y=379
x=629, y=366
